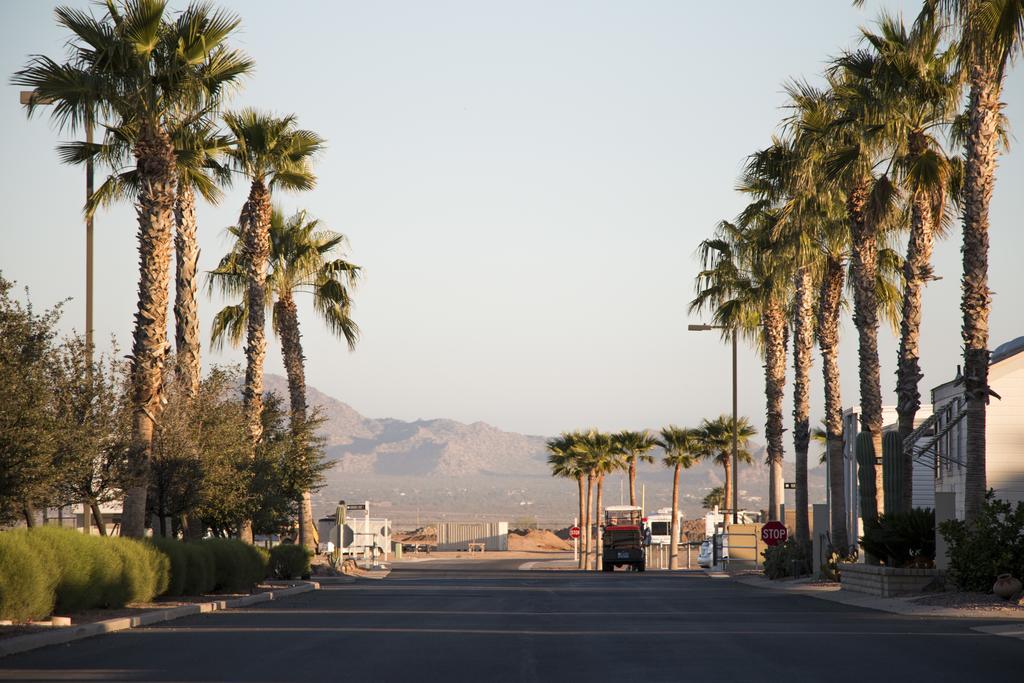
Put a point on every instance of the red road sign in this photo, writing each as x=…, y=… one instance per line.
x=574, y=532
x=774, y=533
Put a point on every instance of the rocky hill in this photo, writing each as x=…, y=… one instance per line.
x=426, y=470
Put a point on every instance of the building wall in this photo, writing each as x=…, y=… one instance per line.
x=1004, y=435
x=458, y=535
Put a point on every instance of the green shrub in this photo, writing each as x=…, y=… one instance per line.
x=201, y=575
x=289, y=561
x=779, y=560
x=90, y=570
x=26, y=589
x=902, y=539
x=176, y=553
x=144, y=570
x=238, y=565
x=991, y=545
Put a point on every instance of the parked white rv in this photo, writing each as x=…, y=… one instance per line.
x=660, y=524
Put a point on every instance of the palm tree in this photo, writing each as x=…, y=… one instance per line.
x=744, y=281
x=565, y=462
x=300, y=262
x=681, y=448
x=714, y=499
x=139, y=68
x=990, y=34
x=635, y=446
x=602, y=457
x=197, y=148
x=271, y=152
x=914, y=92
x=714, y=440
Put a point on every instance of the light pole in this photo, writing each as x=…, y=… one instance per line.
x=735, y=421
x=30, y=97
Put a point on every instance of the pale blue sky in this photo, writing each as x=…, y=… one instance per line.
x=524, y=183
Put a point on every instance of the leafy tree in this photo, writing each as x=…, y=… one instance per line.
x=27, y=430
x=91, y=417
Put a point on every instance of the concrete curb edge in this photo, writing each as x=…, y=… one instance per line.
x=59, y=636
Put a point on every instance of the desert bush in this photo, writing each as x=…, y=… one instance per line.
x=989, y=546
x=176, y=553
x=26, y=591
x=289, y=561
x=238, y=566
x=90, y=570
x=144, y=570
x=902, y=539
x=779, y=560
x=201, y=576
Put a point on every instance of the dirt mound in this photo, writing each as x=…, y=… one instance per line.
x=536, y=540
x=425, y=534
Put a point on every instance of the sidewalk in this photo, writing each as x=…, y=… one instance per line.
x=61, y=635
x=904, y=606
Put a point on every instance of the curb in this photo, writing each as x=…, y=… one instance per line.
x=890, y=605
x=59, y=636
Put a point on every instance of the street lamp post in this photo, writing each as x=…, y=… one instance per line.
x=735, y=420
x=30, y=97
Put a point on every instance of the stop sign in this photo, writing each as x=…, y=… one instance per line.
x=574, y=532
x=774, y=533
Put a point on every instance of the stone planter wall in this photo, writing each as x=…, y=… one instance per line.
x=886, y=582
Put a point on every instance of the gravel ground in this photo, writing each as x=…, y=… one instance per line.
x=971, y=601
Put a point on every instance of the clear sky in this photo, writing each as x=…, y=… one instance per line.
x=525, y=185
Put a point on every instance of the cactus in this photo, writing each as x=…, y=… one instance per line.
x=865, y=449
x=893, y=471
x=866, y=477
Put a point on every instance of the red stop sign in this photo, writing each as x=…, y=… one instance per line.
x=774, y=533
x=574, y=532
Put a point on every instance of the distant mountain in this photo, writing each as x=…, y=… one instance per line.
x=421, y=471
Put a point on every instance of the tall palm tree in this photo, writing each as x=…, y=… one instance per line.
x=990, y=34
x=141, y=68
x=635, y=446
x=300, y=262
x=565, y=462
x=271, y=152
x=714, y=441
x=198, y=146
x=681, y=448
x=914, y=93
x=603, y=457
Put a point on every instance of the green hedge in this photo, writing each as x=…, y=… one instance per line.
x=26, y=590
x=238, y=566
x=50, y=568
x=289, y=561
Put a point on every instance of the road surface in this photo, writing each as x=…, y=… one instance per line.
x=481, y=620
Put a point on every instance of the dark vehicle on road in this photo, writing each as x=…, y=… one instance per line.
x=624, y=539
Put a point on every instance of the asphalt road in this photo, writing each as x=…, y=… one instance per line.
x=484, y=621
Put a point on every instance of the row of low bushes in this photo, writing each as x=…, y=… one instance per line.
x=49, y=569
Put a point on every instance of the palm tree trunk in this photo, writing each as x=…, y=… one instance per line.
x=865, y=318
x=582, y=558
x=829, y=304
x=255, y=223
x=727, y=488
x=587, y=531
x=916, y=270
x=155, y=164
x=774, y=384
x=186, y=311
x=803, y=347
x=287, y=321
x=673, y=555
x=632, y=481
x=599, y=541
x=981, y=153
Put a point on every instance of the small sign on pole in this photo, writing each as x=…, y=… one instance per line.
x=790, y=485
x=574, y=532
x=355, y=506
